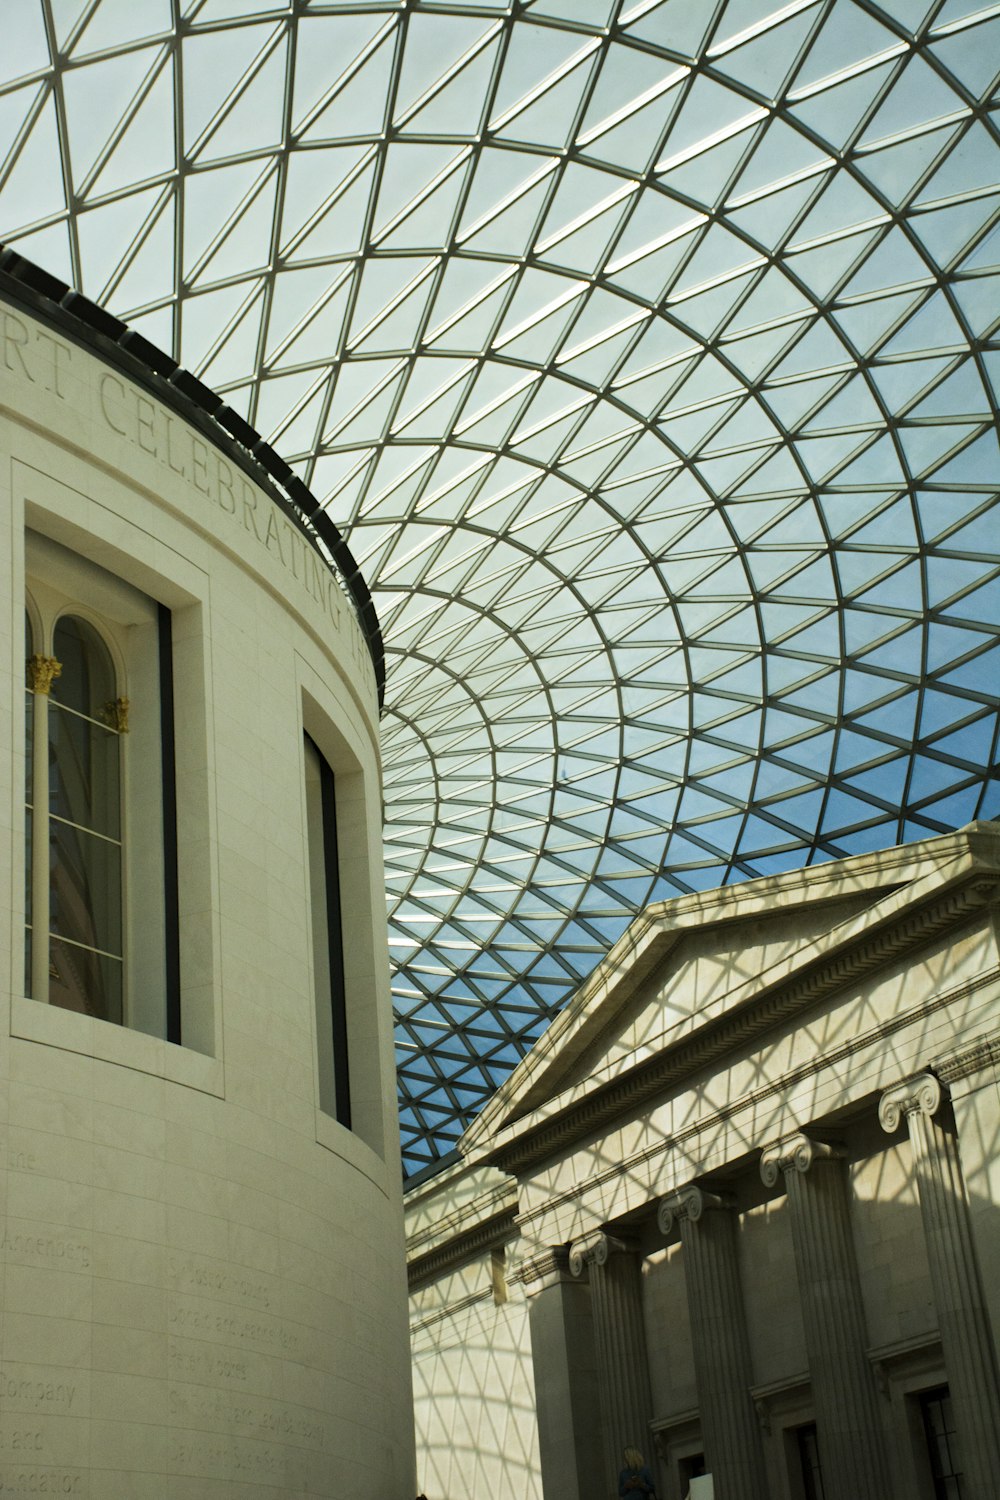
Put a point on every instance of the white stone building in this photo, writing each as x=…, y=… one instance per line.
x=647, y=354
x=202, y=1290
x=739, y=1206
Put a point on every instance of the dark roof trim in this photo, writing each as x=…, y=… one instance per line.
x=86, y=323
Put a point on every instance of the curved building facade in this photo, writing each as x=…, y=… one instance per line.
x=203, y=1284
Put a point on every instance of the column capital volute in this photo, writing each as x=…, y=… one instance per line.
x=687, y=1203
x=920, y=1094
x=793, y=1153
x=594, y=1250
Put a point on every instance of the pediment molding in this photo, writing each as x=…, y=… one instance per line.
x=905, y=920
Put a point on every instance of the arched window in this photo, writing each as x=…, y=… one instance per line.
x=85, y=722
x=74, y=903
x=102, y=930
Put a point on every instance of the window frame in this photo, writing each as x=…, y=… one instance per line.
x=356, y=790
x=326, y=911
x=60, y=583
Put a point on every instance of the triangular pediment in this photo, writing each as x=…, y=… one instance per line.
x=690, y=973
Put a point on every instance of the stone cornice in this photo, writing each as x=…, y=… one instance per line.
x=971, y=1060
x=905, y=920
x=463, y=1245
x=497, y=1200
x=648, y=941
x=449, y=1311
x=537, y=1271
x=778, y=1087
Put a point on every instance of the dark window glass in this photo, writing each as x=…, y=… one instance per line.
x=328, y=942
x=812, y=1475
x=87, y=681
x=691, y=1467
x=85, y=852
x=29, y=801
x=942, y=1443
x=84, y=772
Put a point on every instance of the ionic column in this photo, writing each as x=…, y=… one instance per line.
x=845, y=1397
x=958, y=1292
x=620, y=1340
x=730, y=1430
x=564, y=1364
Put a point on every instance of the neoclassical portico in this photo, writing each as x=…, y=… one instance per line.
x=757, y=1207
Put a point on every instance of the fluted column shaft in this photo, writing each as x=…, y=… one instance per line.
x=729, y=1426
x=620, y=1339
x=958, y=1294
x=845, y=1396
x=564, y=1360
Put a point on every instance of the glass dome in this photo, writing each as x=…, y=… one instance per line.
x=642, y=350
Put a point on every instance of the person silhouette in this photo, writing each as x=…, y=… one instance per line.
x=635, y=1482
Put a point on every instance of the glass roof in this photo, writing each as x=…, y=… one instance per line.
x=642, y=350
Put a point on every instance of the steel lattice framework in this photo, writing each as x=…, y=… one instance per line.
x=642, y=350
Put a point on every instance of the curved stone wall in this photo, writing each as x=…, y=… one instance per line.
x=202, y=1265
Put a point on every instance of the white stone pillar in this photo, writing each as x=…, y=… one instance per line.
x=565, y=1369
x=620, y=1340
x=730, y=1430
x=961, y=1308
x=845, y=1396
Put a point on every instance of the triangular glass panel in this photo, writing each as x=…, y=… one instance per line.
x=147, y=147
x=671, y=25
x=247, y=245
x=253, y=119
x=50, y=248
x=359, y=105
x=339, y=229
x=834, y=113
x=214, y=66
x=33, y=188
x=896, y=169
x=106, y=235
x=764, y=62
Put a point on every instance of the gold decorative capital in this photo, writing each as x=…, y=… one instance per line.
x=116, y=714
x=42, y=672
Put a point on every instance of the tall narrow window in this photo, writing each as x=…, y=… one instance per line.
x=100, y=823
x=29, y=797
x=812, y=1475
x=327, y=935
x=942, y=1443
x=77, y=902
